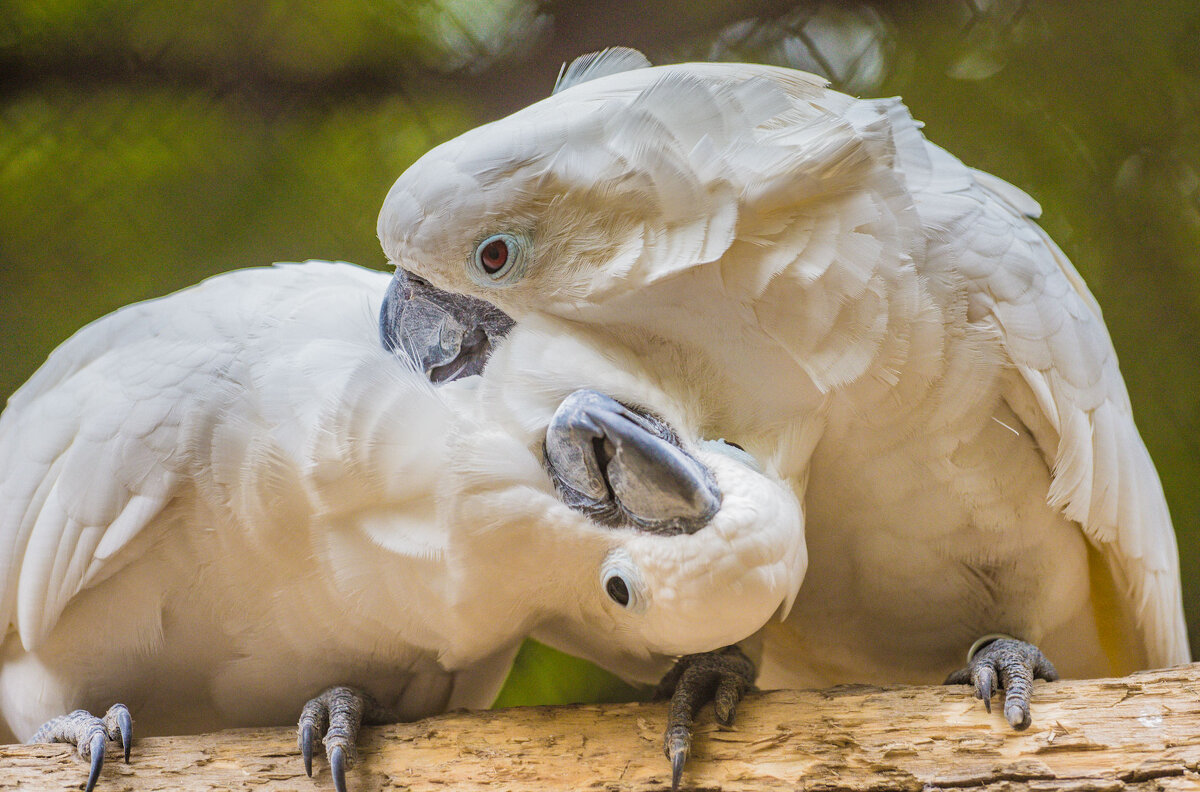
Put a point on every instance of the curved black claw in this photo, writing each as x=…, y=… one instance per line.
x=337, y=767
x=118, y=725
x=721, y=677
x=1014, y=665
x=335, y=718
x=447, y=336
x=678, y=755
x=622, y=466
x=96, y=749
x=306, y=741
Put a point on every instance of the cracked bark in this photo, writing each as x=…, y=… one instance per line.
x=1135, y=733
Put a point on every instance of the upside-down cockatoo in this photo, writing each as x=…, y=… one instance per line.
x=217, y=505
x=885, y=325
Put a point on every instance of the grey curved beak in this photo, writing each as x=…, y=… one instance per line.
x=624, y=467
x=446, y=336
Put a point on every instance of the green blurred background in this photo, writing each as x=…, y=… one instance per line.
x=147, y=144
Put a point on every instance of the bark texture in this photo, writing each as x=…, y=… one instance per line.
x=1140, y=732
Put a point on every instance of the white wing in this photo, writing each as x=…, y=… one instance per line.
x=97, y=443
x=1069, y=391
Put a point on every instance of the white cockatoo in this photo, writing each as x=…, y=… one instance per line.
x=217, y=505
x=886, y=326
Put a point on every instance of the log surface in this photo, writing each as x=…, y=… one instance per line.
x=1140, y=732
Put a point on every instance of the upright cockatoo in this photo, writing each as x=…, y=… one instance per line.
x=888, y=327
x=216, y=505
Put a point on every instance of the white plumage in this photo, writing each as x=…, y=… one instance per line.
x=885, y=325
x=217, y=504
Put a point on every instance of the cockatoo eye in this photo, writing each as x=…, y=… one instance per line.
x=493, y=256
x=617, y=589
x=621, y=581
x=496, y=256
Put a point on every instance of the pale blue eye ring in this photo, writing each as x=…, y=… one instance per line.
x=498, y=260
x=621, y=582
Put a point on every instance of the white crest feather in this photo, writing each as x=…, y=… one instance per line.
x=611, y=60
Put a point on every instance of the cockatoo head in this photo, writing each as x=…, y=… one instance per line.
x=607, y=525
x=624, y=176
x=700, y=548
x=681, y=593
x=623, y=539
x=628, y=532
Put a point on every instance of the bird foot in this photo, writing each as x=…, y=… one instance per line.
x=722, y=677
x=1011, y=662
x=335, y=717
x=89, y=735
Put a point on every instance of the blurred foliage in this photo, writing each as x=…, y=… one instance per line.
x=542, y=675
x=146, y=144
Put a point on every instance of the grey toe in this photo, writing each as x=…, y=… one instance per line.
x=1009, y=664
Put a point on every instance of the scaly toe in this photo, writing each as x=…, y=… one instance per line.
x=722, y=677
x=314, y=720
x=89, y=734
x=335, y=717
x=1002, y=662
x=118, y=725
x=1017, y=714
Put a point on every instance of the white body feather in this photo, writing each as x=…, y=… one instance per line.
x=887, y=326
x=216, y=504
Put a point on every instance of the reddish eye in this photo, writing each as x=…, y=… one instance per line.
x=493, y=256
x=498, y=259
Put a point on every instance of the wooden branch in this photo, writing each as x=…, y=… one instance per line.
x=1141, y=732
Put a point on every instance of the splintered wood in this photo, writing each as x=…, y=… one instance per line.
x=1140, y=732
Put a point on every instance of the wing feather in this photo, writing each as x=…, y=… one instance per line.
x=1069, y=388
x=611, y=60
x=82, y=468
x=98, y=442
